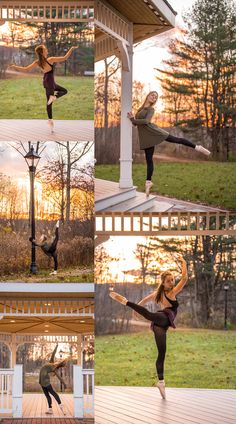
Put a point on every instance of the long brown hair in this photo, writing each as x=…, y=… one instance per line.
x=141, y=107
x=41, y=59
x=160, y=289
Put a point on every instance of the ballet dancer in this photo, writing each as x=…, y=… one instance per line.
x=151, y=135
x=161, y=320
x=50, y=249
x=46, y=64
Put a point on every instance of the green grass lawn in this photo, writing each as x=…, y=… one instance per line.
x=24, y=98
x=69, y=275
x=200, y=358
x=210, y=183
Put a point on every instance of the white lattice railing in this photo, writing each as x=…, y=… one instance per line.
x=55, y=11
x=6, y=381
x=111, y=22
x=14, y=307
x=83, y=392
x=173, y=223
x=11, y=391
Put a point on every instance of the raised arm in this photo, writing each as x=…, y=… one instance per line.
x=55, y=59
x=24, y=68
x=179, y=287
x=143, y=121
x=53, y=354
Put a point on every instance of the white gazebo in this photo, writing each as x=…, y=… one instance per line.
x=45, y=313
x=119, y=24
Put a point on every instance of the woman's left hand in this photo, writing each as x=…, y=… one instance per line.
x=130, y=115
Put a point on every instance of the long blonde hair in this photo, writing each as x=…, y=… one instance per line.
x=160, y=289
x=41, y=59
x=141, y=107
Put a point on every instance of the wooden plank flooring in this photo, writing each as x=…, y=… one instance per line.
x=38, y=130
x=105, y=188
x=47, y=421
x=143, y=405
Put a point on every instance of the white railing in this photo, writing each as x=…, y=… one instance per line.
x=172, y=223
x=11, y=391
x=83, y=392
x=112, y=23
x=56, y=11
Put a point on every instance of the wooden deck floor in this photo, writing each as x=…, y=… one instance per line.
x=47, y=421
x=141, y=405
x=37, y=130
x=35, y=406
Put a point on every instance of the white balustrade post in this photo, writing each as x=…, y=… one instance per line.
x=17, y=391
x=78, y=391
x=126, y=159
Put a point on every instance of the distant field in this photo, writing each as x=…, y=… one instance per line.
x=24, y=98
x=200, y=358
x=210, y=183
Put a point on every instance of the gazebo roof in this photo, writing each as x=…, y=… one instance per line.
x=149, y=17
x=46, y=309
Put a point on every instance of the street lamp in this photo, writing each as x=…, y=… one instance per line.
x=32, y=158
x=226, y=288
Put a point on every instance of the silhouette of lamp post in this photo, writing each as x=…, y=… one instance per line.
x=32, y=159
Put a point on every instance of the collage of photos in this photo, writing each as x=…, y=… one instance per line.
x=117, y=212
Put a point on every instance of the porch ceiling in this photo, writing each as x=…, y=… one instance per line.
x=149, y=17
x=46, y=326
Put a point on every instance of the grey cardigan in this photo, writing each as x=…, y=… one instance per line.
x=149, y=134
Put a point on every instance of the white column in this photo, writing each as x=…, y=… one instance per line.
x=17, y=391
x=78, y=391
x=13, y=350
x=126, y=159
x=79, y=350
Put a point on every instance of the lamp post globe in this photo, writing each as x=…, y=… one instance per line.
x=32, y=158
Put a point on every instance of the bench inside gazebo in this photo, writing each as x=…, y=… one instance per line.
x=118, y=26
x=46, y=313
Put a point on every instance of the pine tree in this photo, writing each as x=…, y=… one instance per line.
x=200, y=77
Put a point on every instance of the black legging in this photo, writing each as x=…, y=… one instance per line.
x=49, y=390
x=160, y=326
x=59, y=92
x=149, y=152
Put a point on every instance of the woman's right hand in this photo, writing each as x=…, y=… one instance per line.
x=130, y=115
x=11, y=66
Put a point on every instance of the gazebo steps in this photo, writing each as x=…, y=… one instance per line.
x=110, y=197
x=139, y=203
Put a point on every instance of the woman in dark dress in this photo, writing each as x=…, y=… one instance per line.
x=151, y=135
x=161, y=320
x=46, y=64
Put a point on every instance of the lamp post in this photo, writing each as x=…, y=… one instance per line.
x=226, y=288
x=32, y=158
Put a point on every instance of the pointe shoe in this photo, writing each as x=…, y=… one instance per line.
x=51, y=125
x=49, y=411
x=118, y=297
x=161, y=387
x=148, y=186
x=58, y=224
x=51, y=100
x=202, y=150
x=62, y=409
x=53, y=273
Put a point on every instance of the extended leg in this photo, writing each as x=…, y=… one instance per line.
x=49, y=92
x=55, y=241
x=185, y=142
x=159, y=318
x=180, y=140
x=54, y=255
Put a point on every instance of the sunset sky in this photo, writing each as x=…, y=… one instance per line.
x=124, y=248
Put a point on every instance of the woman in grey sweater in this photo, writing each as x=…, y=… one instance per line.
x=151, y=135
